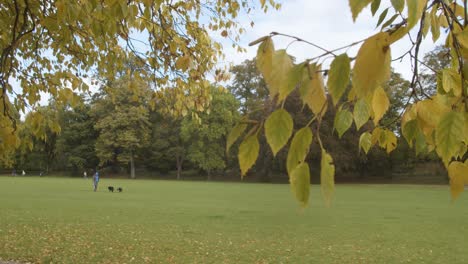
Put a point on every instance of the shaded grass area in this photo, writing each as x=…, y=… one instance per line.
x=62, y=221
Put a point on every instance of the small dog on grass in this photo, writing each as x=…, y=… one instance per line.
x=110, y=188
x=119, y=189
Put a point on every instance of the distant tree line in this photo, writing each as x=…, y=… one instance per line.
x=124, y=131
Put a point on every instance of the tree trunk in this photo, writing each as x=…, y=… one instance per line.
x=208, y=176
x=179, y=166
x=132, y=165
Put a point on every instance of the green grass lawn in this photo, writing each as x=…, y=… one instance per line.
x=61, y=220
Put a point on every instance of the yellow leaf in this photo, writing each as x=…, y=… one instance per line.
x=415, y=10
x=365, y=141
x=278, y=129
x=248, y=153
x=299, y=148
x=398, y=34
x=265, y=58
x=300, y=183
x=451, y=82
x=435, y=26
x=430, y=111
x=458, y=174
x=327, y=177
x=278, y=82
x=390, y=142
x=372, y=67
x=376, y=135
x=462, y=38
x=357, y=6
x=182, y=63
x=312, y=90
x=380, y=104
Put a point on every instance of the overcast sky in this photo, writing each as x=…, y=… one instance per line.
x=326, y=23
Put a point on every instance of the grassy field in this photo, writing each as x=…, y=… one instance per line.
x=62, y=221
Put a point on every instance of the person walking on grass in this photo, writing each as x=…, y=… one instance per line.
x=96, y=180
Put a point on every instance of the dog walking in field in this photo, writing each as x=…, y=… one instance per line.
x=111, y=188
x=119, y=189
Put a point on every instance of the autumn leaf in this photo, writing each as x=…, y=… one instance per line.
x=300, y=183
x=361, y=113
x=299, y=148
x=458, y=174
x=343, y=121
x=248, y=153
x=365, y=141
x=278, y=129
x=415, y=10
x=327, y=177
x=380, y=104
x=357, y=6
x=450, y=132
x=338, y=77
x=234, y=135
x=372, y=67
x=312, y=90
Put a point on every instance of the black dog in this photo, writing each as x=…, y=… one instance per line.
x=119, y=189
x=110, y=188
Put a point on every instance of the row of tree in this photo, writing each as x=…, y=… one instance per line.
x=123, y=127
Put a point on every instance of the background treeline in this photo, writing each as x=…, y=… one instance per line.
x=125, y=132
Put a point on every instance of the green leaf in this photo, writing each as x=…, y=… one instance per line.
x=300, y=183
x=398, y=5
x=449, y=133
x=372, y=67
x=415, y=10
x=234, y=135
x=458, y=174
x=278, y=129
x=365, y=142
x=357, y=6
x=389, y=21
x=343, y=121
x=248, y=153
x=380, y=104
x=410, y=130
x=327, y=177
x=375, y=6
x=299, y=148
x=361, y=113
x=382, y=17
x=338, y=77
x=420, y=144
